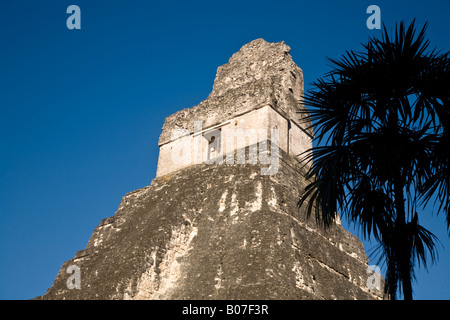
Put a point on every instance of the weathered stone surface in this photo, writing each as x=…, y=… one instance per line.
x=259, y=88
x=260, y=73
x=218, y=232
x=225, y=231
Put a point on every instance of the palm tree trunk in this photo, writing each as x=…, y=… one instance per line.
x=403, y=251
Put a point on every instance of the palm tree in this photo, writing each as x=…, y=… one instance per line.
x=382, y=120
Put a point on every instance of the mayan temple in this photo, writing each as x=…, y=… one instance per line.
x=220, y=219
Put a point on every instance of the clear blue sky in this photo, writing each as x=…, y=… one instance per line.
x=81, y=110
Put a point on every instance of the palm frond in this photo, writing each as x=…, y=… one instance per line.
x=383, y=114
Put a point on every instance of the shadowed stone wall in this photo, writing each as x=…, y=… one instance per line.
x=218, y=232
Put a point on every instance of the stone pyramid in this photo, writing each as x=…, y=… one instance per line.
x=219, y=220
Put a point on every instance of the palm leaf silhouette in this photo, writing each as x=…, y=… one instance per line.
x=381, y=118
